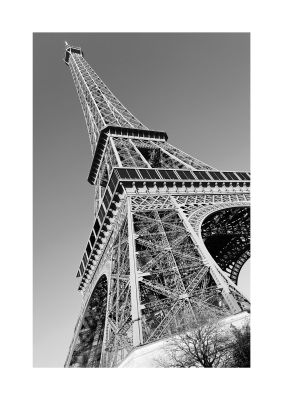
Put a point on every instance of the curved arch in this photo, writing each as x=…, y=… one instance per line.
x=89, y=341
x=226, y=234
x=197, y=217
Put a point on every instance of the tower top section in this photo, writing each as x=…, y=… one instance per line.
x=100, y=106
x=71, y=50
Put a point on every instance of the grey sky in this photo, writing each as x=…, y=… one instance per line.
x=193, y=86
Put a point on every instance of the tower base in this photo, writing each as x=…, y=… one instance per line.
x=147, y=356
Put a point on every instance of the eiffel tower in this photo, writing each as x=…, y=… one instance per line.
x=169, y=238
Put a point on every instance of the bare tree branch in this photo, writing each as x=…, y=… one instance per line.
x=207, y=346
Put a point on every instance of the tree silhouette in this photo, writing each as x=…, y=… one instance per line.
x=240, y=349
x=208, y=346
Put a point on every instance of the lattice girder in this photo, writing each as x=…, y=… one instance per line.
x=173, y=279
x=227, y=237
x=100, y=106
x=87, y=349
x=152, y=267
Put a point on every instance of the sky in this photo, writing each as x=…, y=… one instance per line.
x=194, y=86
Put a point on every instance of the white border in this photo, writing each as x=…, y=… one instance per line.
x=264, y=20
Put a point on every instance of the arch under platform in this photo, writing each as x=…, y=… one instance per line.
x=88, y=347
x=226, y=234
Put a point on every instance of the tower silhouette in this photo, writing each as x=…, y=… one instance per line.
x=169, y=239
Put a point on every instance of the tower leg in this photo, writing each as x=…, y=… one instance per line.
x=208, y=260
x=135, y=298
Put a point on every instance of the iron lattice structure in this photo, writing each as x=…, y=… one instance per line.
x=170, y=233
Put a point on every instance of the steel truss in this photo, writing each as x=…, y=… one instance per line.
x=87, y=350
x=169, y=239
x=226, y=234
x=171, y=285
x=100, y=106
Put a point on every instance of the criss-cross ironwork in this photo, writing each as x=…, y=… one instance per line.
x=169, y=238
